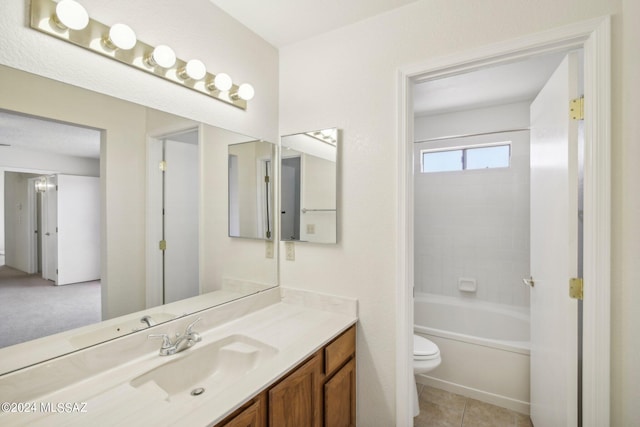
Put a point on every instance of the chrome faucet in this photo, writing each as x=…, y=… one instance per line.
x=182, y=342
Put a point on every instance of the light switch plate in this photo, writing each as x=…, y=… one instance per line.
x=290, y=251
x=268, y=249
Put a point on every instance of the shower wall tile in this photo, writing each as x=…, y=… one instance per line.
x=475, y=224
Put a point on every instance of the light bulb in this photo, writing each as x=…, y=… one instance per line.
x=71, y=14
x=246, y=91
x=120, y=36
x=222, y=82
x=195, y=69
x=162, y=56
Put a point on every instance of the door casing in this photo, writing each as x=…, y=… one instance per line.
x=594, y=36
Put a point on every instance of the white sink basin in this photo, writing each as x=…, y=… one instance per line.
x=208, y=368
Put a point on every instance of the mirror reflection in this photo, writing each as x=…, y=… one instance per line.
x=308, y=186
x=159, y=202
x=250, y=190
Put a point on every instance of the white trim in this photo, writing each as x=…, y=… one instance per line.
x=483, y=396
x=153, y=295
x=32, y=215
x=404, y=258
x=594, y=36
x=597, y=228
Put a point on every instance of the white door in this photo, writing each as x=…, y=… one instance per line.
x=554, y=250
x=181, y=221
x=78, y=228
x=50, y=230
x=290, y=199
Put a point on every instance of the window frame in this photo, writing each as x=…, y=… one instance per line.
x=464, y=149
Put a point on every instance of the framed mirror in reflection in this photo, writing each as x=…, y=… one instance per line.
x=159, y=245
x=308, y=186
x=250, y=190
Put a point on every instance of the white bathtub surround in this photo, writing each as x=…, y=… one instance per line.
x=467, y=284
x=100, y=375
x=474, y=223
x=484, y=348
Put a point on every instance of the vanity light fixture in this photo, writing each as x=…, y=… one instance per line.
x=70, y=15
x=245, y=92
x=120, y=36
x=162, y=56
x=221, y=82
x=119, y=42
x=194, y=69
x=329, y=136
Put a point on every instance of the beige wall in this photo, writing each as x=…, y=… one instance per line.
x=227, y=258
x=354, y=74
x=122, y=163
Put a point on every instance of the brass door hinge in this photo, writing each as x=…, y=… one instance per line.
x=576, y=108
x=576, y=288
x=163, y=165
x=267, y=179
x=162, y=245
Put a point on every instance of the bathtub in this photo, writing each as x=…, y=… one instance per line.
x=484, y=348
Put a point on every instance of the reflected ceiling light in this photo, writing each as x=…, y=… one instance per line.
x=41, y=185
x=245, y=91
x=120, y=36
x=70, y=15
x=162, y=56
x=195, y=69
x=222, y=82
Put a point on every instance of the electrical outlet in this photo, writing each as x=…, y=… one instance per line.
x=290, y=251
x=268, y=249
x=311, y=229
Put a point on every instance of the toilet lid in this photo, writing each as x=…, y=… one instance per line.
x=423, y=349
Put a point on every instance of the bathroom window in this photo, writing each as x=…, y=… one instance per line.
x=466, y=158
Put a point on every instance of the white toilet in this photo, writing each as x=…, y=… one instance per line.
x=426, y=356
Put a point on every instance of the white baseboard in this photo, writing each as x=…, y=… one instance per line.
x=494, y=399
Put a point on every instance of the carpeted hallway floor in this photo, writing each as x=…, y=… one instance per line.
x=31, y=307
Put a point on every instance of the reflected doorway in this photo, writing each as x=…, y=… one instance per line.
x=174, y=200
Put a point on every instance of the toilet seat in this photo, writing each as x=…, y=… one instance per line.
x=423, y=349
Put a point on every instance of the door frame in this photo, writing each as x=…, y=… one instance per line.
x=594, y=36
x=154, y=263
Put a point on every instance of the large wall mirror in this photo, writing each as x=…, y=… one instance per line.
x=308, y=186
x=145, y=190
x=250, y=190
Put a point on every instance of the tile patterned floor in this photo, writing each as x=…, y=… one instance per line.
x=439, y=408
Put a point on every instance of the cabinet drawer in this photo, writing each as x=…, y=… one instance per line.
x=339, y=351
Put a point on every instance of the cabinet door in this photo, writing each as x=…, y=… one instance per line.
x=340, y=397
x=252, y=416
x=297, y=400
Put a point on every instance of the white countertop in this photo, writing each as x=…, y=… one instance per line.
x=296, y=327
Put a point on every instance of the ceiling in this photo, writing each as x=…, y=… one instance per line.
x=284, y=22
x=514, y=82
x=45, y=136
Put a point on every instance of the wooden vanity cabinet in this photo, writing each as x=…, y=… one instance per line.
x=319, y=392
x=297, y=400
x=252, y=414
x=339, y=388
